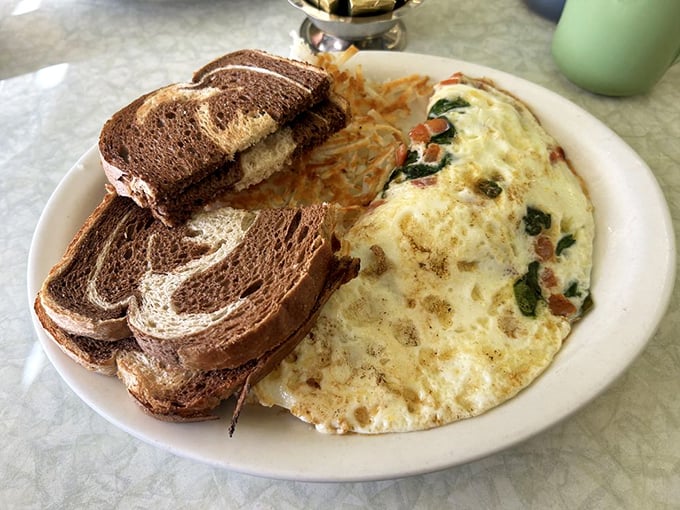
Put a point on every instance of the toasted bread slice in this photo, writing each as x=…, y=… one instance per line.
x=174, y=393
x=176, y=137
x=276, y=152
x=259, y=279
x=99, y=356
x=217, y=292
x=88, y=291
x=165, y=392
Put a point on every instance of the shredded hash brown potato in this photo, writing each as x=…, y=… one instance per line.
x=354, y=164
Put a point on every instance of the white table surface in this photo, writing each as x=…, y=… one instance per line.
x=67, y=65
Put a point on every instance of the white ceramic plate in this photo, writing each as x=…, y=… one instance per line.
x=632, y=283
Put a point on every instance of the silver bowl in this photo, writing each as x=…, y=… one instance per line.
x=329, y=32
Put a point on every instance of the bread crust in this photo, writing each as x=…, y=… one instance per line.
x=95, y=355
x=66, y=302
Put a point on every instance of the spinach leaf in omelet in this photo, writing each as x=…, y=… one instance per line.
x=528, y=291
x=564, y=243
x=536, y=220
x=488, y=188
x=416, y=170
x=446, y=136
x=445, y=105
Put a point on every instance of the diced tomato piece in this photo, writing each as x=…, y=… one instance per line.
x=437, y=126
x=548, y=278
x=543, y=247
x=452, y=80
x=420, y=133
x=560, y=305
x=557, y=154
x=432, y=153
x=401, y=153
x=424, y=182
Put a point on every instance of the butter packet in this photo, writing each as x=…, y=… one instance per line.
x=330, y=6
x=364, y=7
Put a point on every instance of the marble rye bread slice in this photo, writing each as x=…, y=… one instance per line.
x=260, y=278
x=96, y=355
x=255, y=164
x=172, y=138
x=216, y=292
x=88, y=291
x=164, y=392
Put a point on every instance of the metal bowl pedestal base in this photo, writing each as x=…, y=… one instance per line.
x=394, y=38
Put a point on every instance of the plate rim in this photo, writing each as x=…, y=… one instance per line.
x=72, y=375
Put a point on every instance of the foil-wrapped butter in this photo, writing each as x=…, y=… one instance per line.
x=363, y=7
x=331, y=6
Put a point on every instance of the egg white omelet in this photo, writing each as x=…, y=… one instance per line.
x=476, y=260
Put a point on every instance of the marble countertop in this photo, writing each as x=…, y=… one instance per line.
x=66, y=65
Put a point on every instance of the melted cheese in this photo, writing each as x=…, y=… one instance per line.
x=430, y=331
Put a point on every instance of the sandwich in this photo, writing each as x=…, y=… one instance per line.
x=188, y=315
x=242, y=117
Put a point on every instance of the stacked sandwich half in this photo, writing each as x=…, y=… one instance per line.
x=187, y=304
